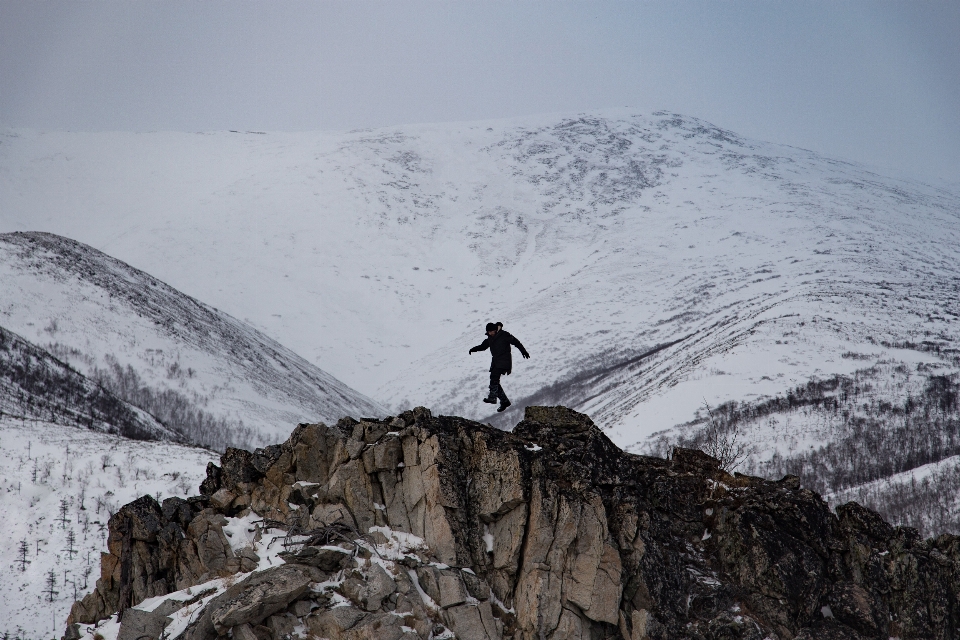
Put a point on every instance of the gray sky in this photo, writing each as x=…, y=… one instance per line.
x=872, y=81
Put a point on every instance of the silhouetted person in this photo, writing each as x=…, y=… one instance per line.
x=499, y=341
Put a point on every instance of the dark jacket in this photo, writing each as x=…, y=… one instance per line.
x=499, y=346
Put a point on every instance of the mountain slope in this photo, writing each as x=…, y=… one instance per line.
x=207, y=375
x=595, y=239
x=59, y=483
x=36, y=386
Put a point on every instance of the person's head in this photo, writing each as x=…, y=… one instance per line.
x=493, y=328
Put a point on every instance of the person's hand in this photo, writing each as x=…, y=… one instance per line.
x=526, y=356
x=470, y=352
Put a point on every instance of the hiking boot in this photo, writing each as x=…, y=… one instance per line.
x=506, y=403
x=490, y=400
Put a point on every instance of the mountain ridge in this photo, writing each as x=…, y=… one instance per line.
x=141, y=338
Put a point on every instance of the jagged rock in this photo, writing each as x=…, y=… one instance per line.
x=330, y=559
x=550, y=532
x=142, y=625
x=368, y=589
x=333, y=623
x=475, y=622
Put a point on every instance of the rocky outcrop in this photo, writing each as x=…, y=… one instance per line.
x=550, y=531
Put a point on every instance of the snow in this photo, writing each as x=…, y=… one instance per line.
x=241, y=529
x=241, y=532
x=741, y=268
x=109, y=472
x=91, y=310
x=380, y=254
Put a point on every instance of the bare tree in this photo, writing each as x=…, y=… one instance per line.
x=51, y=590
x=22, y=552
x=64, y=508
x=723, y=443
x=71, y=549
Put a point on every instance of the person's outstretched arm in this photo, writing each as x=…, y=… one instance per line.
x=516, y=343
x=482, y=346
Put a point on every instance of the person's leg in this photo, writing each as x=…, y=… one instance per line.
x=501, y=395
x=495, y=389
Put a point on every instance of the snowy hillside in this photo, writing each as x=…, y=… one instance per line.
x=206, y=375
x=595, y=239
x=58, y=487
x=36, y=386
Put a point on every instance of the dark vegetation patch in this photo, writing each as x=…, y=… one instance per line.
x=178, y=411
x=875, y=423
x=36, y=386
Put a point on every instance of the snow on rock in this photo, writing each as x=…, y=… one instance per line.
x=581, y=527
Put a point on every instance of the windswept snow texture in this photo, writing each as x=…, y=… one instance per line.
x=92, y=310
x=58, y=482
x=380, y=254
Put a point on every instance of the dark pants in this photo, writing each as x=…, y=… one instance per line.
x=496, y=391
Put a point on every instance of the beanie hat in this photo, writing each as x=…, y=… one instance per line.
x=492, y=327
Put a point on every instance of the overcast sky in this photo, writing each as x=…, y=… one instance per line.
x=872, y=81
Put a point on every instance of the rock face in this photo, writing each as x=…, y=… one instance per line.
x=548, y=532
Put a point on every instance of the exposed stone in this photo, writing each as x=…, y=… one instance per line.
x=473, y=622
x=334, y=622
x=142, y=625
x=452, y=589
x=552, y=527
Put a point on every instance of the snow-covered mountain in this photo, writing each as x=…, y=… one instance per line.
x=596, y=239
x=206, y=375
x=664, y=274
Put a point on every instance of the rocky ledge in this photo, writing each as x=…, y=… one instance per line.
x=439, y=527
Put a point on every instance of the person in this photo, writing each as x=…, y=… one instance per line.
x=499, y=341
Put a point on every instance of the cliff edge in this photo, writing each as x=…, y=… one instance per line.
x=438, y=527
